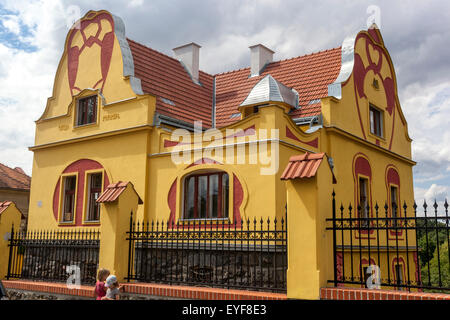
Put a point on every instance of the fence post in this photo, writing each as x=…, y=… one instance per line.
x=310, y=261
x=9, y=217
x=334, y=240
x=11, y=241
x=117, y=202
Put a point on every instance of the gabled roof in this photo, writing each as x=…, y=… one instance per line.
x=13, y=178
x=309, y=75
x=177, y=95
x=113, y=191
x=302, y=166
x=180, y=98
x=4, y=205
x=269, y=89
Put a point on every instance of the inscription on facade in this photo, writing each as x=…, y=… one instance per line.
x=110, y=117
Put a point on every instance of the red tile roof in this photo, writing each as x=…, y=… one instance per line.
x=310, y=75
x=166, y=78
x=113, y=191
x=302, y=166
x=179, y=97
x=13, y=178
x=4, y=205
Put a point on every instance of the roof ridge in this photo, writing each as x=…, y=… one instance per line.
x=8, y=175
x=163, y=54
x=301, y=56
x=15, y=171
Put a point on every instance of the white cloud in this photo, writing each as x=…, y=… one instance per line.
x=11, y=23
x=26, y=78
x=135, y=3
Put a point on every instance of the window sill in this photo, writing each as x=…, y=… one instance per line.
x=66, y=223
x=373, y=135
x=94, y=222
x=203, y=219
x=80, y=126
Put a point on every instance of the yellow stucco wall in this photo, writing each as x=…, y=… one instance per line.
x=130, y=148
x=11, y=216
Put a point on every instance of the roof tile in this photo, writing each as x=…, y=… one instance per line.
x=113, y=191
x=165, y=77
x=13, y=178
x=302, y=166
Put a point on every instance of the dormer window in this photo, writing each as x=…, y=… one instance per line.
x=87, y=111
x=376, y=121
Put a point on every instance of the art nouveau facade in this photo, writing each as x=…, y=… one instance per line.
x=120, y=111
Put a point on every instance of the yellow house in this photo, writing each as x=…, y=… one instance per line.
x=230, y=146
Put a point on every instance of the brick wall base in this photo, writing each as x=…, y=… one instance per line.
x=137, y=291
x=367, y=294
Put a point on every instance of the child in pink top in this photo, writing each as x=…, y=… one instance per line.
x=100, y=289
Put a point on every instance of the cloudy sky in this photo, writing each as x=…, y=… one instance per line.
x=417, y=34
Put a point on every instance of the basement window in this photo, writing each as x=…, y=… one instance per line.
x=87, y=111
x=376, y=121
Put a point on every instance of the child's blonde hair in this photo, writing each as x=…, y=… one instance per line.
x=102, y=274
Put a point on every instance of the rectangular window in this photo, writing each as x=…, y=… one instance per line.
x=376, y=121
x=363, y=200
x=189, y=198
x=206, y=196
x=95, y=188
x=394, y=204
x=87, y=111
x=399, y=274
x=69, y=198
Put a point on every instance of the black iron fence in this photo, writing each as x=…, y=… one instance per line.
x=54, y=255
x=391, y=246
x=252, y=255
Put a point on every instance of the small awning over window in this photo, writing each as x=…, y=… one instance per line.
x=303, y=166
x=113, y=191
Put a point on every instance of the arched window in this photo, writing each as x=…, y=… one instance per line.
x=393, y=190
x=206, y=195
x=362, y=173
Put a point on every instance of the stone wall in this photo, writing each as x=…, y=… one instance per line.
x=212, y=267
x=50, y=263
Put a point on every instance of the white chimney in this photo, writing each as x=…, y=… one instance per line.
x=259, y=57
x=189, y=55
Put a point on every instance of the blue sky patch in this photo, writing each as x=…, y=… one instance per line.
x=11, y=39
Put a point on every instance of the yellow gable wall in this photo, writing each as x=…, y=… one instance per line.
x=118, y=139
x=351, y=112
x=116, y=86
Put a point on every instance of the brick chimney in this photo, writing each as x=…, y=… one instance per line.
x=189, y=56
x=259, y=56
